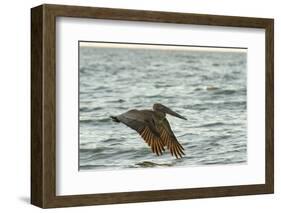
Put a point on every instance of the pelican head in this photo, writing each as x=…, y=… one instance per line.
x=164, y=109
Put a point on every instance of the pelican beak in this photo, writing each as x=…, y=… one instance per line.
x=171, y=112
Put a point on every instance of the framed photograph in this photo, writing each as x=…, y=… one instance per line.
x=136, y=106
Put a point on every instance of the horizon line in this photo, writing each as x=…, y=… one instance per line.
x=102, y=44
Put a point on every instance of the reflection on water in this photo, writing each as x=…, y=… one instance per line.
x=209, y=88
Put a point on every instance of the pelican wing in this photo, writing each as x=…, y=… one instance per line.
x=169, y=139
x=144, y=125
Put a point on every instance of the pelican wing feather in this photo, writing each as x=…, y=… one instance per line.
x=142, y=122
x=169, y=139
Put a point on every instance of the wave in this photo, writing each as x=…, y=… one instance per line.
x=221, y=161
x=192, y=61
x=94, y=121
x=149, y=164
x=215, y=90
x=87, y=109
x=116, y=101
x=214, y=144
x=90, y=166
x=211, y=88
x=163, y=86
x=225, y=92
x=233, y=151
x=101, y=88
x=212, y=124
x=216, y=64
x=154, y=96
x=231, y=76
x=211, y=105
x=88, y=150
x=234, y=64
x=97, y=166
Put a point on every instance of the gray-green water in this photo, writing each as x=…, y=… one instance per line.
x=208, y=88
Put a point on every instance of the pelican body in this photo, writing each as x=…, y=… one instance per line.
x=154, y=128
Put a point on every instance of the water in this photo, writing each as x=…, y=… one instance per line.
x=208, y=88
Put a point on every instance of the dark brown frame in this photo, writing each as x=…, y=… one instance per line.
x=43, y=105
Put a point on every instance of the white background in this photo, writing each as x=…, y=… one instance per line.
x=69, y=181
x=15, y=106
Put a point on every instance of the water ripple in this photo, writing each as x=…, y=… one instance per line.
x=209, y=88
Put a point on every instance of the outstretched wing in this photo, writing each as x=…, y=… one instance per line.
x=169, y=139
x=141, y=122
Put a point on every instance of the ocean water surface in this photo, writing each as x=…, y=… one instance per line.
x=209, y=88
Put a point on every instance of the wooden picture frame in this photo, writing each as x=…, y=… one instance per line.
x=43, y=105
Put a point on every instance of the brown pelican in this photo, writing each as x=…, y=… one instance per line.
x=154, y=128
